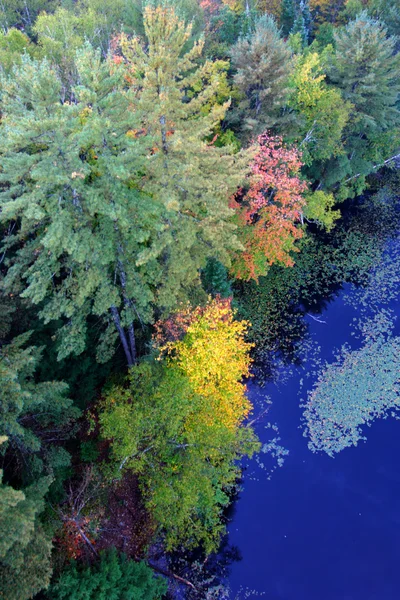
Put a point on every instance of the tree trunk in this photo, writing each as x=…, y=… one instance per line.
x=128, y=305
x=122, y=336
x=132, y=342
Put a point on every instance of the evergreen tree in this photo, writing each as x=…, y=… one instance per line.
x=388, y=12
x=287, y=16
x=302, y=22
x=125, y=197
x=215, y=279
x=299, y=26
x=24, y=547
x=28, y=409
x=367, y=71
x=306, y=12
x=262, y=63
x=112, y=578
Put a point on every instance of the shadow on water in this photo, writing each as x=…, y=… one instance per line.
x=323, y=528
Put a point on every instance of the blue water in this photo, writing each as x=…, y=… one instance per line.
x=321, y=528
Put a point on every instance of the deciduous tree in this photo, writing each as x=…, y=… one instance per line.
x=322, y=113
x=270, y=211
x=179, y=422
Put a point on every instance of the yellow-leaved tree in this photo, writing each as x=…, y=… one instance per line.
x=179, y=422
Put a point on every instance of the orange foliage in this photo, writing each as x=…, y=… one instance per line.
x=173, y=329
x=210, y=7
x=72, y=537
x=269, y=212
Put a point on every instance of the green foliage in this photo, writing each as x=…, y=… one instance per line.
x=287, y=16
x=60, y=35
x=347, y=253
x=24, y=547
x=113, y=577
x=180, y=428
x=367, y=71
x=113, y=158
x=120, y=158
x=325, y=35
x=110, y=18
x=388, y=12
x=320, y=209
x=186, y=474
x=215, y=279
x=89, y=451
x=224, y=28
x=28, y=409
x=13, y=44
x=321, y=112
x=22, y=14
x=302, y=22
x=263, y=63
x=359, y=387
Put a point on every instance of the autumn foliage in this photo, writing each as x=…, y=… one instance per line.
x=268, y=213
x=214, y=357
x=180, y=422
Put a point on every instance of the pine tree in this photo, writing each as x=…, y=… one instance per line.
x=24, y=547
x=78, y=198
x=27, y=408
x=299, y=26
x=367, y=71
x=125, y=196
x=193, y=177
x=302, y=22
x=215, y=279
x=262, y=63
x=388, y=12
x=112, y=578
x=287, y=16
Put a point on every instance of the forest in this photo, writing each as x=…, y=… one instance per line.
x=181, y=183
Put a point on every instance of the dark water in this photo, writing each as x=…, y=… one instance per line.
x=321, y=528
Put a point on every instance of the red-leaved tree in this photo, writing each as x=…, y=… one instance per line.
x=268, y=214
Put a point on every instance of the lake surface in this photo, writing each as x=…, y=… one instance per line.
x=321, y=528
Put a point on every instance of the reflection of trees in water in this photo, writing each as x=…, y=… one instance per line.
x=206, y=574
x=278, y=304
x=361, y=384
x=362, y=251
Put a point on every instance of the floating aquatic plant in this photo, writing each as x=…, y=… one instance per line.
x=359, y=387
